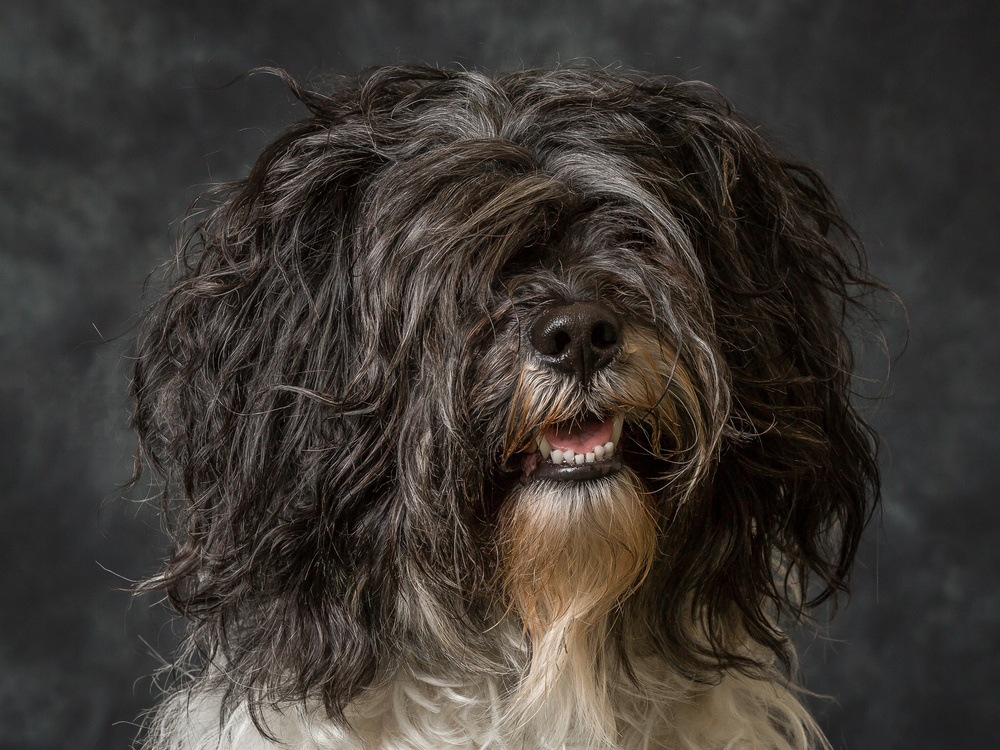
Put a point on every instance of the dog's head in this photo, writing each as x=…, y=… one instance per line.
x=559, y=348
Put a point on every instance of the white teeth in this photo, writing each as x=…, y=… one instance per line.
x=571, y=458
x=616, y=432
x=544, y=448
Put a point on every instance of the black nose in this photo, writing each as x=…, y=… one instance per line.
x=578, y=339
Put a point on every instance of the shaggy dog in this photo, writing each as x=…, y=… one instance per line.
x=505, y=412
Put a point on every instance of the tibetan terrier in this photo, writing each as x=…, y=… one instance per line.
x=504, y=412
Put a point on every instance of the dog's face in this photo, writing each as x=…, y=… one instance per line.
x=560, y=349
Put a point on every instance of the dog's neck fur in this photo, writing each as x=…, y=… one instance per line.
x=574, y=559
x=419, y=708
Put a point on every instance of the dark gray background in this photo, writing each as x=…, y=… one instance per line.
x=112, y=119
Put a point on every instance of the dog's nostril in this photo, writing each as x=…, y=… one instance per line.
x=561, y=341
x=551, y=338
x=604, y=335
x=578, y=339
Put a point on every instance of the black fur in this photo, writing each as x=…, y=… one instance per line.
x=326, y=385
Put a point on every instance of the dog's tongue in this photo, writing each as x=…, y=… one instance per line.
x=580, y=437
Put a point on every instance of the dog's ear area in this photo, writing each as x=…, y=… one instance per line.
x=796, y=479
x=802, y=476
x=277, y=460
x=808, y=453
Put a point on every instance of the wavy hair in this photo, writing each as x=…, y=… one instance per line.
x=332, y=386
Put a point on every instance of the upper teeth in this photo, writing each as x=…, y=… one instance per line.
x=599, y=452
x=544, y=447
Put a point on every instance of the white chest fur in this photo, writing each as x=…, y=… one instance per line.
x=421, y=711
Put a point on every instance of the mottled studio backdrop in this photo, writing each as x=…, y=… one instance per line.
x=113, y=116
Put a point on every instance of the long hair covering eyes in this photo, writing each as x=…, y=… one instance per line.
x=303, y=388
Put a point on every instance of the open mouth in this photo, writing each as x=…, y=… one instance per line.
x=576, y=450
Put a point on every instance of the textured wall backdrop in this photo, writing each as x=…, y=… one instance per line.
x=113, y=117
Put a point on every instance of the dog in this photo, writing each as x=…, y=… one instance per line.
x=505, y=412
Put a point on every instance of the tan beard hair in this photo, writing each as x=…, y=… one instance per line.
x=572, y=552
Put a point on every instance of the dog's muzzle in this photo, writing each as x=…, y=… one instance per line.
x=577, y=339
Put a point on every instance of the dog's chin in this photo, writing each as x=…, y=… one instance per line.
x=578, y=541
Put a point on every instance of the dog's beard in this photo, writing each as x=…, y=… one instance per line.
x=572, y=552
